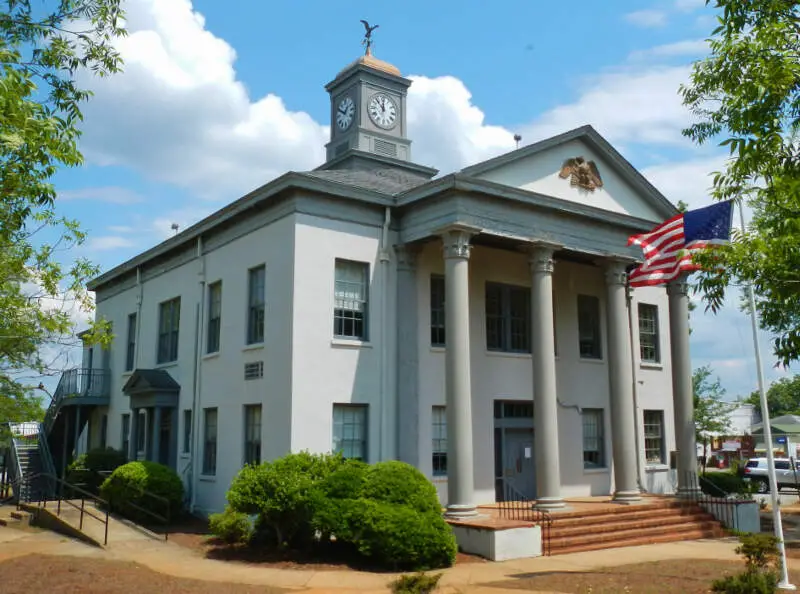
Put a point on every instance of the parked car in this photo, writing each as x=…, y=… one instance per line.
x=787, y=473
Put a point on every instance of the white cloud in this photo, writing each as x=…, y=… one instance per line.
x=689, y=5
x=647, y=18
x=689, y=181
x=687, y=47
x=104, y=243
x=109, y=194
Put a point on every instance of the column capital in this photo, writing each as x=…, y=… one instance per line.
x=679, y=287
x=406, y=255
x=455, y=240
x=616, y=273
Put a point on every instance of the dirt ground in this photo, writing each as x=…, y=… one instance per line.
x=61, y=575
x=193, y=534
x=681, y=576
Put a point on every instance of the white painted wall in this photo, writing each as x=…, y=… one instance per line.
x=539, y=173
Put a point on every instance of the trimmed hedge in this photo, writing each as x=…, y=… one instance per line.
x=231, y=527
x=402, y=484
x=84, y=470
x=130, y=483
x=728, y=482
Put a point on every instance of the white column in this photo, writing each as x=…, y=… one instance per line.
x=408, y=402
x=682, y=395
x=545, y=395
x=620, y=383
x=460, y=482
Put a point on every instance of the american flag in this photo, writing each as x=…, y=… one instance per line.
x=669, y=247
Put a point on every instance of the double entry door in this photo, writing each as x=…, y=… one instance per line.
x=515, y=468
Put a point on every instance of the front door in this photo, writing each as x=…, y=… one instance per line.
x=518, y=466
x=165, y=438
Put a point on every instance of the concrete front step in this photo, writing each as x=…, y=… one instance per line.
x=639, y=522
x=641, y=540
x=622, y=513
x=14, y=518
x=630, y=536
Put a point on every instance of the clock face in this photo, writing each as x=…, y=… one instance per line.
x=382, y=110
x=344, y=113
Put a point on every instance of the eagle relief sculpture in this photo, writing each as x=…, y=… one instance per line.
x=582, y=173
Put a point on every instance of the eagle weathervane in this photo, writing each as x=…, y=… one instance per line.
x=367, y=41
x=582, y=173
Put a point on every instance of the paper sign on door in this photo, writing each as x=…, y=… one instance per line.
x=527, y=452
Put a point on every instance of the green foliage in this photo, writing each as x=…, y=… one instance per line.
x=418, y=583
x=745, y=96
x=346, y=482
x=130, y=484
x=783, y=397
x=761, y=572
x=42, y=50
x=84, y=470
x=711, y=413
x=231, y=527
x=282, y=493
x=402, y=484
x=729, y=482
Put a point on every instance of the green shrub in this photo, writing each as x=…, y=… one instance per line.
x=761, y=573
x=418, y=583
x=747, y=582
x=283, y=493
x=729, y=482
x=346, y=482
x=401, y=484
x=130, y=483
x=396, y=536
x=84, y=470
x=231, y=527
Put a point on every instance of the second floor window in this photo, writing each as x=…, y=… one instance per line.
x=350, y=300
x=214, y=316
x=648, y=333
x=508, y=318
x=437, y=310
x=589, y=327
x=255, y=310
x=168, y=325
x=130, y=351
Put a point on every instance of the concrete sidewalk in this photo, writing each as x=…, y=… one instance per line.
x=172, y=559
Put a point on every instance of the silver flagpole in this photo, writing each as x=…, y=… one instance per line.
x=784, y=584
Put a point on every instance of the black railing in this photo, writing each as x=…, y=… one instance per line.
x=715, y=500
x=77, y=383
x=161, y=502
x=66, y=494
x=515, y=506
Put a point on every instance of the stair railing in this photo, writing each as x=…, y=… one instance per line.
x=15, y=478
x=516, y=506
x=712, y=498
x=45, y=455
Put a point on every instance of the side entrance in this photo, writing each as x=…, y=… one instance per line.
x=514, y=461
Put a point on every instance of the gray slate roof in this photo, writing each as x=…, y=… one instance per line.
x=386, y=181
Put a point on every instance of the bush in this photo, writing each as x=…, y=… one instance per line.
x=729, y=482
x=401, y=484
x=130, y=483
x=84, y=470
x=747, y=582
x=418, y=583
x=284, y=494
x=346, y=482
x=231, y=527
x=761, y=573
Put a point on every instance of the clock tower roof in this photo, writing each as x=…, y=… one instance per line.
x=371, y=61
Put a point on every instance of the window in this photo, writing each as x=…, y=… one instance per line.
x=141, y=431
x=508, y=318
x=439, y=441
x=168, y=324
x=214, y=316
x=130, y=352
x=648, y=333
x=187, y=431
x=350, y=300
x=126, y=434
x=252, y=434
x=350, y=430
x=589, y=327
x=210, y=441
x=654, y=436
x=255, y=309
x=593, y=441
x=437, y=310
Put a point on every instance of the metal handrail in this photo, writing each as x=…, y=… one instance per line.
x=77, y=382
x=44, y=452
x=516, y=506
x=723, y=508
x=165, y=519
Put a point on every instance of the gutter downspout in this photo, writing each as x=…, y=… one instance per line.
x=639, y=467
x=198, y=363
x=139, y=300
x=384, y=362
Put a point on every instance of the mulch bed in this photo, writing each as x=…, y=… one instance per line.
x=680, y=576
x=193, y=534
x=56, y=575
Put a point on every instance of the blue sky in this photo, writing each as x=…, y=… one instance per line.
x=218, y=98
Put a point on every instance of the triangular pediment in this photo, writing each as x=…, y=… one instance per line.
x=578, y=166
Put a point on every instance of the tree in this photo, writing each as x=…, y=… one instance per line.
x=711, y=412
x=41, y=56
x=746, y=97
x=783, y=397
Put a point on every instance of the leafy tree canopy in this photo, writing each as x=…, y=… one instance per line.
x=783, y=397
x=746, y=96
x=711, y=412
x=43, y=48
